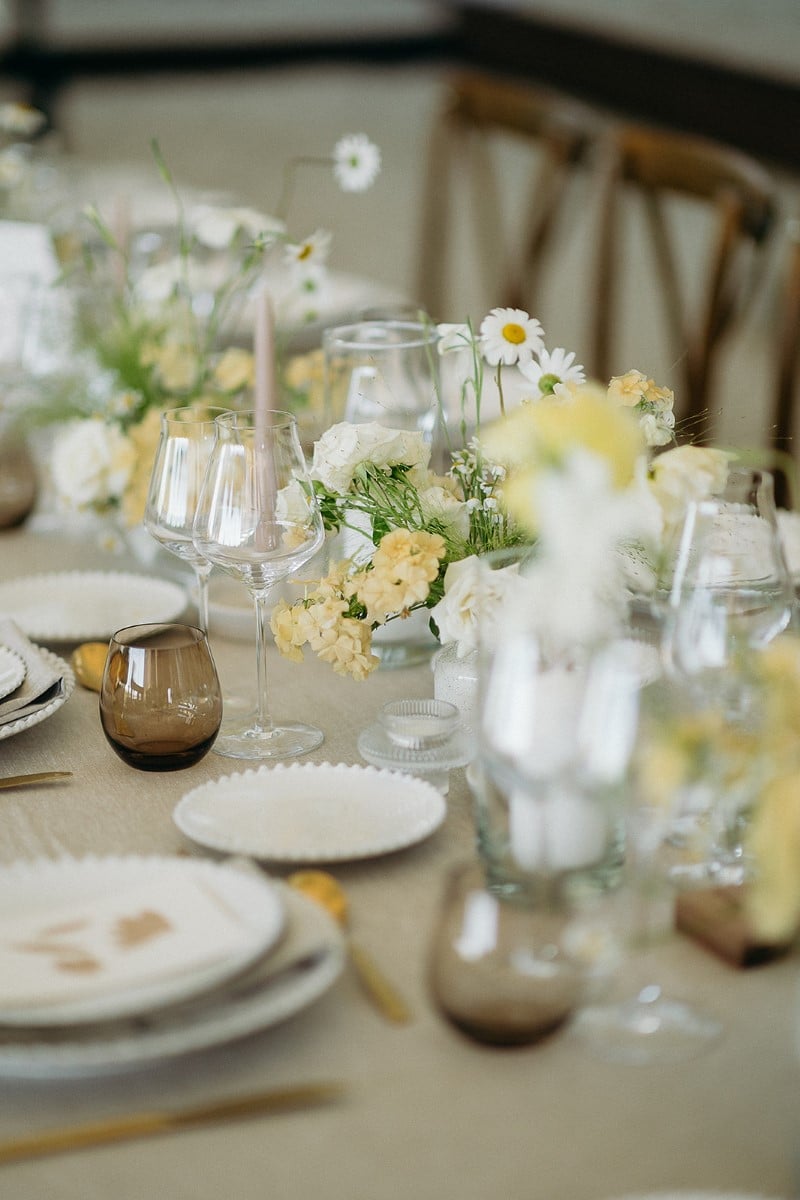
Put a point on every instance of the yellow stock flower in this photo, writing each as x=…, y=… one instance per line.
x=235, y=370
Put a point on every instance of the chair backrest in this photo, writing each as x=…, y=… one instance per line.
x=788, y=360
x=740, y=196
x=461, y=171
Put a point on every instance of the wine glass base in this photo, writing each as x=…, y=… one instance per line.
x=249, y=741
x=650, y=1028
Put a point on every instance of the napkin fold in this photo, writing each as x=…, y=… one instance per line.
x=42, y=683
x=150, y=932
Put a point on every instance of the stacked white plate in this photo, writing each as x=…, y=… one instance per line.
x=111, y=963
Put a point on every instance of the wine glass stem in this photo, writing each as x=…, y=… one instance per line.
x=202, y=572
x=263, y=719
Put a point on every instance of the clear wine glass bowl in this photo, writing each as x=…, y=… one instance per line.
x=258, y=519
x=729, y=586
x=184, y=448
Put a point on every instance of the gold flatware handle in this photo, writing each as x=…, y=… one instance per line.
x=146, y=1124
x=381, y=992
x=12, y=781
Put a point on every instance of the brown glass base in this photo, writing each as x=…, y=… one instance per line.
x=161, y=756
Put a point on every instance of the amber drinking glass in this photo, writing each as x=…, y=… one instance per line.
x=160, y=699
x=503, y=972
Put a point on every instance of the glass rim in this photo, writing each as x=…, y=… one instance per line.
x=230, y=417
x=135, y=636
x=348, y=336
x=188, y=414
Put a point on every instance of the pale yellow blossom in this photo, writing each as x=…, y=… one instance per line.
x=774, y=895
x=404, y=565
x=144, y=438
x=347, y=648
x=235, y=370
x=174, y=363
x=288, y=637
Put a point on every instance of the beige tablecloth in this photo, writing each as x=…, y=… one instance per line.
x=428, y=1114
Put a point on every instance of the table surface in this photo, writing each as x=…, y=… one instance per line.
x=427, y=1114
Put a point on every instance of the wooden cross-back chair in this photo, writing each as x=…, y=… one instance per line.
x=478, y=110
x=657, y=165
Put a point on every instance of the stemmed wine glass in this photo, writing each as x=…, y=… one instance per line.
x=644, y=1022
x=187, y=438
x=258, y=519
x=729, y=586
x=730, y=594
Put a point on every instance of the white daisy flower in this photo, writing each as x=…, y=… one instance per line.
x=356, y=162
x=312, y=251
x=510, y=335
x=551, y=369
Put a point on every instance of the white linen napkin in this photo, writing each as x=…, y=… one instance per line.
x=42, y=683
x=152, y=931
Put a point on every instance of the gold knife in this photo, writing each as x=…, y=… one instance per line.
x=146, y=1124
x=12, y=781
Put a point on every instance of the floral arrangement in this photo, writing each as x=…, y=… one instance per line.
x=569, y=449
x=159, y=341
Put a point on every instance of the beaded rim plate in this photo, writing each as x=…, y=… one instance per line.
x=308, y=812
x=12, y=671
x=81, y=606
x=47, y=710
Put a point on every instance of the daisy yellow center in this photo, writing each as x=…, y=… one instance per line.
x=305, y=252
x=514, y=333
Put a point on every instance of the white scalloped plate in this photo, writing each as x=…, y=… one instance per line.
x=47, y=710
x=12, y=671
x=45, y=884
x=78, y=606
x=307, y=812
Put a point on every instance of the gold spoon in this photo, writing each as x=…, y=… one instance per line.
x=88, y=662
x=328, y=892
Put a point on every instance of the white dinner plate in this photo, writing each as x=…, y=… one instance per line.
x=12, y=671
x=45, y=885
x=236, y=1010
x=307, y=812
x=41, y=714
x=79, y=606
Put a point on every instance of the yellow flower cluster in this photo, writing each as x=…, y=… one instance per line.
x=634, y=388
x=399, y=577
x=404, y=566
x=321, y=622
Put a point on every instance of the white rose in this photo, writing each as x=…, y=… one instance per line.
x=439, y=504
x=217, y=227
x=685, y=474
x=291, y=504
x=344, y=447
x=472, y=594
x=91, y=464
